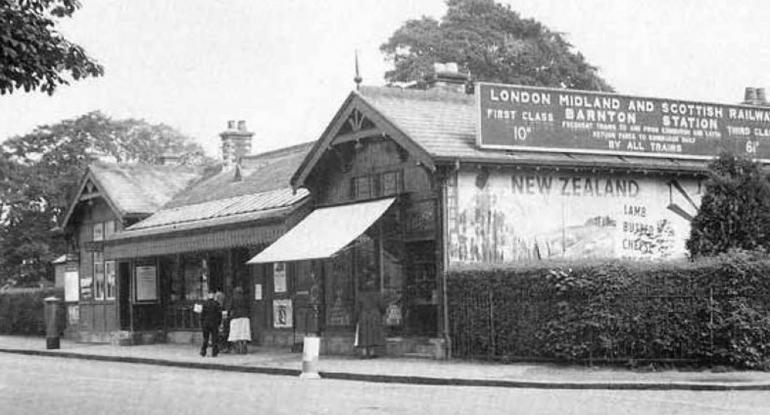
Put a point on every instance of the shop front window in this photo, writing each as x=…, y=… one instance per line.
x=195, y=277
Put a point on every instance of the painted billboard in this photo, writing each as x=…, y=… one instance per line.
x=545, y=119
x=515, y=215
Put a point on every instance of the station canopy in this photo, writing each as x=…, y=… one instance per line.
x=324, y=232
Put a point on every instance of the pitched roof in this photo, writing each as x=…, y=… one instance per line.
x=134, y=189
x=141, y=188
x=444, y=124
x=258, y=173
x=233, y=207
x=257, y=189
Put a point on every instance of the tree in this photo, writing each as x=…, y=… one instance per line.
x=40, y=172
x=734, y=211
x=494, y=43
x=33, y=55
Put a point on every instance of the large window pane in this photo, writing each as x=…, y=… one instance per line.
x=339, y=290
x=195, y=274
x=99, y=275
x=109, y=270
x=98, y=233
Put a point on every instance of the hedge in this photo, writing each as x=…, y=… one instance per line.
x=710, y=312
x=21, y=312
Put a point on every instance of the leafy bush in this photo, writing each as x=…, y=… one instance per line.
x=712, y=311
x=734, y=212
x=21, y=312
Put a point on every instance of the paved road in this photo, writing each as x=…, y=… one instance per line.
x=49, y=385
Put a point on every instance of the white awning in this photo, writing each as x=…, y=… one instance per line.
x=324, y=232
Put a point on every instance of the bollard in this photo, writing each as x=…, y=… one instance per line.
x=52, y=322
x=310, y=349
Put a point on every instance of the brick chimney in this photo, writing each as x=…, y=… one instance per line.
x=236, y=142
x=755, y=96
x=447, y=77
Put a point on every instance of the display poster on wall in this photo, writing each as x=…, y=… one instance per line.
x=71, y=291
x=257, y=292
x=146, y=283
x=519, y=117
x=86, y=287
x=279, y=277
x=73, y=315
x=282, y=313
x=519, y=215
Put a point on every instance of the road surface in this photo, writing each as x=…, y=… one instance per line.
x=50, y=385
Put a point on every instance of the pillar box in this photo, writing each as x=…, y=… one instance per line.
x=52, y=312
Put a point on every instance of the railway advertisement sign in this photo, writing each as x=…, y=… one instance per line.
x=513, y=117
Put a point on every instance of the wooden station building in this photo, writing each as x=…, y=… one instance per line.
x=404, y=184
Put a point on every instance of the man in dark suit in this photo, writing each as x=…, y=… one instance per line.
x=211, y=317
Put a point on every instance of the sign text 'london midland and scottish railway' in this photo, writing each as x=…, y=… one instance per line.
x=543, y=119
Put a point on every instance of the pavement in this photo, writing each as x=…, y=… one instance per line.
x=402, y=370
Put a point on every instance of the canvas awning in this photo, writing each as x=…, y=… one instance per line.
x=324, y=232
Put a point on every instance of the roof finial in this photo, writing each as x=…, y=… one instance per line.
x=358, y=78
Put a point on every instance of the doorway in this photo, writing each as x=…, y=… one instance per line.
x=124, y=295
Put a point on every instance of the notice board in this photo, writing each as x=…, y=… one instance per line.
x=146, y=283
x=71, y=286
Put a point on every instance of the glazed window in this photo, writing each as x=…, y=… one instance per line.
x=362, y=187
x=98, y=261
x=391, y=183
x=109, y=276
x=109, y=228
x=98, y=233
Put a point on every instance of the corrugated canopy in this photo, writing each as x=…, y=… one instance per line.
x=324, y=232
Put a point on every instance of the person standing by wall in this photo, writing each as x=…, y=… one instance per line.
x=240, y=326
x=211, y=317
x=369, y=309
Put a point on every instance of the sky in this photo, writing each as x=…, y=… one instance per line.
x=285, y=66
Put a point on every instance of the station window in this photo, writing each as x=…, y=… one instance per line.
x=98, y=261
x=361, y=187
x=109, y=276
x=376, y=185
x=391, y=183
x=109, y=228
x=98, y=233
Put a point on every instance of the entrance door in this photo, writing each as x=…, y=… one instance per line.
x=124, y=295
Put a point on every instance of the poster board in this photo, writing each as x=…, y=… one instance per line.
x=282, y=313
x=279, y=277
x=71, y=286
x=146, y=283
x=515, y=117
x=535, y=215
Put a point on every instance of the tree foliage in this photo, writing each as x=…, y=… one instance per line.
x=494, y=43
x=735, y=209
x=40, y=172
x=33, y=55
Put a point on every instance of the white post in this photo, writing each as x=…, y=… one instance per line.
x=310, y=350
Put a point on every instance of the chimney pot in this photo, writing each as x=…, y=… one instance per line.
x=447, y=77
x=761, y=98
x=236, y=142
x=750, y=96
